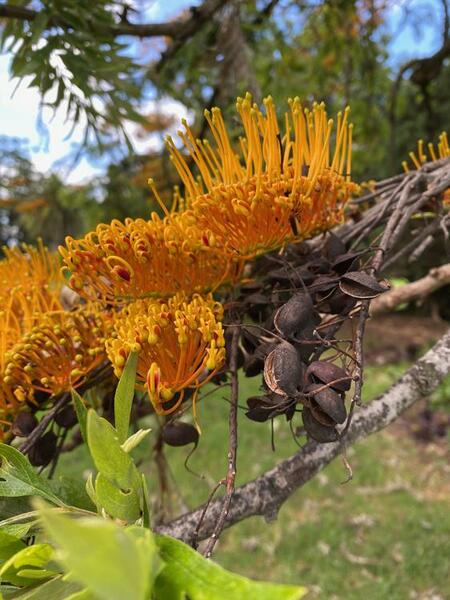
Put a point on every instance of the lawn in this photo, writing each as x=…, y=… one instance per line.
x=386, y=534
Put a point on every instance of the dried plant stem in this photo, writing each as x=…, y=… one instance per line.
x=232, y=449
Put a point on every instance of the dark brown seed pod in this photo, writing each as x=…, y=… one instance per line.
x=39, y=397
x=345, y=262
x=323, y=371
x=325, y=283
x=283, y=370
x=297, y=319
x=67, y=417
x=336, y=302
x=259, y=409
x=321, y=416
x=358, y=284
x=254, y=363
x=178, y=433
x=263, y=408
x=316, y=430
x=43, y=450
x=329, y=401
x=23, y=424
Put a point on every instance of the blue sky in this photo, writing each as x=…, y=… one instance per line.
x=19, y=111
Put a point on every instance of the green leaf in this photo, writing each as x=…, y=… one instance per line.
x=27, y=565
x=81, y=411
x=123, y=398
x=188, y=574
x=72, y=492
x=55, y=589
x=114, y=563
x=123, y=505
x=9, y=545
x=135, y=439
x=18, y=477
x=18, y=530
x=109, y=458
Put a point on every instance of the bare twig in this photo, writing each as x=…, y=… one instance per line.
x=232, y=452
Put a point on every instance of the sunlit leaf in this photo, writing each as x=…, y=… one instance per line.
x=19, y=478
x=123, y=398
x=189, y=574
x=113, y=562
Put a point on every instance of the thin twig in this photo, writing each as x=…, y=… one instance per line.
x=232, y=452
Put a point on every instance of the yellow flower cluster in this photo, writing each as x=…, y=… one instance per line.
x=44, y=349
x=57, y=354
x=125, y=261
x=279, y=187
x=180, y=344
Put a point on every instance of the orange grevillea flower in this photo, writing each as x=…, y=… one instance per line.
x=429, y=153
x=10, y=333
x=27, y=266
x=282, y=186
x=30, y=284
x=138, y=258
x=180, y=345
x=57, y=355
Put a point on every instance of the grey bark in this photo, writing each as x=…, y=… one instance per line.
x=265, y=494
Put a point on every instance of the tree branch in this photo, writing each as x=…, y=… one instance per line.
x=182, y=27
x=265, y=495
x=436, y=278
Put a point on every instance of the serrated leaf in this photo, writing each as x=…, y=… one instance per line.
x=113, y=562
x=189, y=574
x=81, y=411
x=123, y=398
x=18, y=477
x=27, y=565
x=135, y=439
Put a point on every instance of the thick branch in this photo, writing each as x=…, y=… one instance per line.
x=265, y=495
x=436, y=278
x=183, y=27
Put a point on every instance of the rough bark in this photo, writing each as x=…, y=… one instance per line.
x=265, y=494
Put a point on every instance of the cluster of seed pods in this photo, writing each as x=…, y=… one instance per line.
x=291, y=345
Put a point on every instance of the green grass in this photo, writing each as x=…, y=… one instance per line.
x=384, y=535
